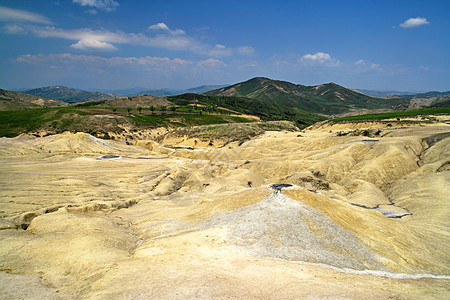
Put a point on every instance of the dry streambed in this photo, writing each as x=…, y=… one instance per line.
x=357, y=216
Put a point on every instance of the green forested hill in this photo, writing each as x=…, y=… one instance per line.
x=266, y=110
x=327, y=98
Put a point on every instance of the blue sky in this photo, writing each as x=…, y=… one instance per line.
x=118, y=44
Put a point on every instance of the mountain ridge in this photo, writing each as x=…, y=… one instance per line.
x=169, y=92
x=329, y=98
x=70, y=95
x=142, y=91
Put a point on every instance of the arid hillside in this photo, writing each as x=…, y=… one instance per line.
x=14, y=100
x=347, y=210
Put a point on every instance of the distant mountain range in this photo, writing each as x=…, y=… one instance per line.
x=408, y=95
x=326, y=99
x=70, y=95
x=383, y=93
x=426, y=95
x=14, y=100
x=139, y=91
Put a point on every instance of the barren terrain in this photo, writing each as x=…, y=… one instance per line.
x=358, y=216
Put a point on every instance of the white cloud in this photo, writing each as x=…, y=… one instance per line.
x=14, y=29
x=17, y=15
x=118, y=71
x=166, y=41
x=107, y=5
x=367, y=65
x=80, y=34
x=93, y=44
x=324, y=61
x=91, y=12
x=414, y=22
x=319, y=57
x=159, y=26
x=159, y=36
x=170, y=41
x=217, y=51
x=91, y=60
x=246, y=50
x=162, y=27
x=211, y=63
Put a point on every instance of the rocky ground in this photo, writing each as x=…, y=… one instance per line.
x=359, y=215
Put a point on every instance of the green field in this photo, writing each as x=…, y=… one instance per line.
x=183, y=120
x=15, y=122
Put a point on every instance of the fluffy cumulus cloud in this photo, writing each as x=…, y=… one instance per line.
x=158, y=35
x=414, y=22
x=159, y=26
x=163, y=28
x=324, y=62
x=17, y=15
x=87, y=39
x=107, y=5
x=93, y=44
x=319, y=57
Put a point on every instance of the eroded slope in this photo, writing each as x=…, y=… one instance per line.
x=87, y=218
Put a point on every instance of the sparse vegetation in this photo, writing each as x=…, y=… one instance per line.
x=396, y=114
x=87, y=119
x=184, y=120
x=237, y=132
x=187, y=110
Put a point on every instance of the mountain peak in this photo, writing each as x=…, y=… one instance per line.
x=329, y=98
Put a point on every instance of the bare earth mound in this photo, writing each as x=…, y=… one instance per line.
x=356, y=216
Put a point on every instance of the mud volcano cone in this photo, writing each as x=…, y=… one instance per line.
x=282, y=228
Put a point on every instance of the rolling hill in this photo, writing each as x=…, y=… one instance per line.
x=326, y=99
x=70, y=95
x=265, y=110
x=10, y=100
